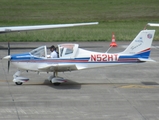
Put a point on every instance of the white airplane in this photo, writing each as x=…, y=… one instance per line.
x=71, y=58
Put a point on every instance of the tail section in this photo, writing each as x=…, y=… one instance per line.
x=141, y=44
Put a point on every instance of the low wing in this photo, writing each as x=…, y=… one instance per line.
x=40, y=27
x=60, y=68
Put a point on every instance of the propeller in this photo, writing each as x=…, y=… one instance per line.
x=8, y=54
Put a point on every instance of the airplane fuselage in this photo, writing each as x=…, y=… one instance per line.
x=29, y=62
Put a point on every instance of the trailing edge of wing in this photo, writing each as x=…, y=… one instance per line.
x=146, y=60
x=41, y=27
x=60, y=67
x=153, y=24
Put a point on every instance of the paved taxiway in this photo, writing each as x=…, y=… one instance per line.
x=129, y=92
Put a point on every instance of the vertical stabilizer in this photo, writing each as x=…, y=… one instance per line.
x=141, y=44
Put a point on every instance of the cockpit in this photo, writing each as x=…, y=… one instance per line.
x=64, y=51
x=39, y=52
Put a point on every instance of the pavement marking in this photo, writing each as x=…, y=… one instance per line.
x=137, y=86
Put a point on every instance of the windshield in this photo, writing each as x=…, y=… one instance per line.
x=39, y=52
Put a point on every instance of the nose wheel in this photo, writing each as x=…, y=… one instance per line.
x=18, y=80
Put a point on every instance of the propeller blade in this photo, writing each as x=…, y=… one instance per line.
x=8, y=54
x=8, y=66
x=8, y=48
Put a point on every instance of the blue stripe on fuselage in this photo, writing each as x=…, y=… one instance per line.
x=139, y=55
x=23, y=56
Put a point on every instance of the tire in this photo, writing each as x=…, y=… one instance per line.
x=57, y=84
x=18, y=83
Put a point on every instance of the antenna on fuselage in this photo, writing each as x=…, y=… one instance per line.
x=108, y=49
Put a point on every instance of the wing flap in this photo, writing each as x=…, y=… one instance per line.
x=58, y=68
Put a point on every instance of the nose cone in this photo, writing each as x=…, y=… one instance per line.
x=7, y=57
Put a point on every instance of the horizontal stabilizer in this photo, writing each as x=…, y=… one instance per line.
x=146, y=60
x=153, y=24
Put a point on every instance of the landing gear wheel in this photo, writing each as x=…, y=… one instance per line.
x=18, y=83
x=57, y=84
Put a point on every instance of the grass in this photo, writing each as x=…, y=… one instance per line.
x=124, y=17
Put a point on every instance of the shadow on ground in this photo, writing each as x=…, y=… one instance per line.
x=67, y=85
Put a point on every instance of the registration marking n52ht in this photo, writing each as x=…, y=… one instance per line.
x=103, y=57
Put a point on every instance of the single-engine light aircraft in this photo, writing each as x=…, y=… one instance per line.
x=72, y=58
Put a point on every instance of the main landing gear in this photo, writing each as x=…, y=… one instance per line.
x=56, y=80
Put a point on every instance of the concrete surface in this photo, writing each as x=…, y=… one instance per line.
x=129, y=92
